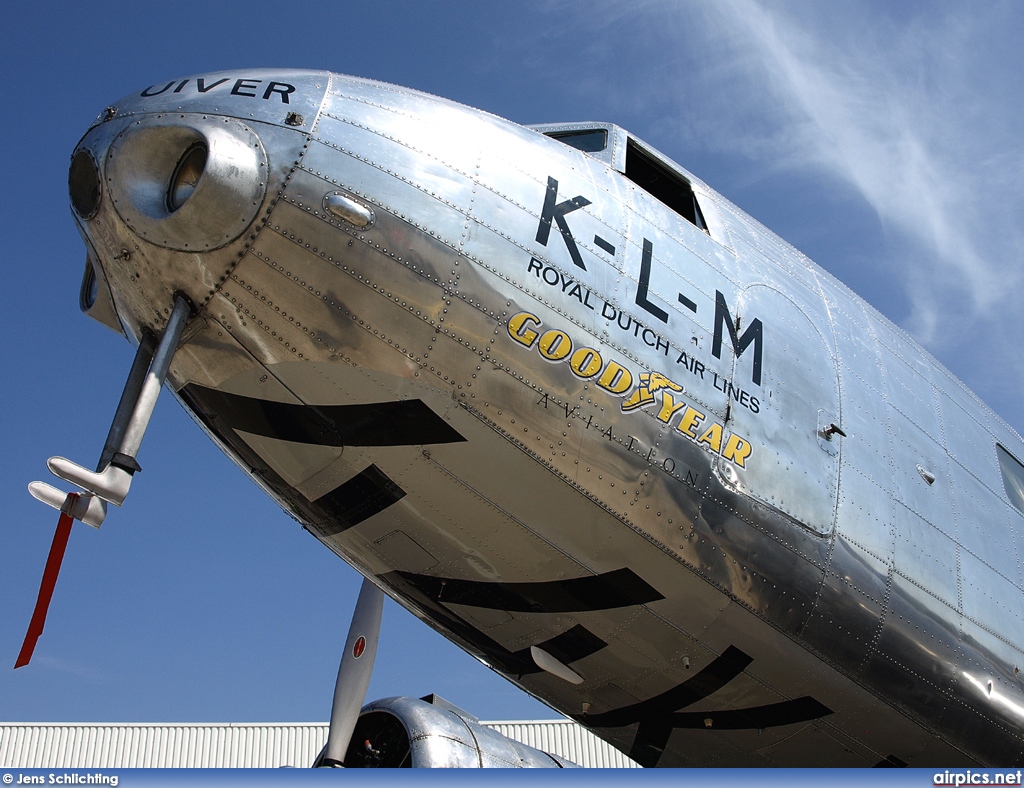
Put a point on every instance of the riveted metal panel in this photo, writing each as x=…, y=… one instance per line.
x=912, y=452
x=989, y=599
x=864, y=516
x=845, y=618
x=789, y=467
x=429, y=195
x=899, y=342
x=860, y=570
x=858, y=350
x=409, y=115
x=913, y=657
x=986, y=656
x=864, y=418
x=646, y=212
x=910, y=393
x=349, y=292
x=925, y=557
x=968, y=441
x=930, y=667
x=985, y=525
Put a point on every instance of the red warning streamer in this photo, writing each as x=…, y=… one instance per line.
x=53, y=562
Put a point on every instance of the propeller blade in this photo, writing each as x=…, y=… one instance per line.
x=354, y=673
x=53, y=562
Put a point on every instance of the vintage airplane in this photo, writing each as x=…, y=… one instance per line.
x=573, y=409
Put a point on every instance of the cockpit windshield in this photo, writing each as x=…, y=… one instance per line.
x=588, y=141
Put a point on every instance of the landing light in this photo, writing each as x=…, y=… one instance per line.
x=84, y=185
x=186, y=176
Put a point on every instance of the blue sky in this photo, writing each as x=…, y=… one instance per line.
x=881, y=141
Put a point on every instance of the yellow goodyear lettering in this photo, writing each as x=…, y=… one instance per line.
x=737, y=450
x=554, y=345
x=519, y=330
x=586, y=363
x=712, y=437
x=615, y=379
x=669, y=407
x=690, y=421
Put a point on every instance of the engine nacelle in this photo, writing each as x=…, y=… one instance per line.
x=432, y=733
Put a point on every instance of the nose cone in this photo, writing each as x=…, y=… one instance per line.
x=171, y=185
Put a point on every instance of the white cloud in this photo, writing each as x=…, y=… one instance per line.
x=890, y=110
x=917, y=115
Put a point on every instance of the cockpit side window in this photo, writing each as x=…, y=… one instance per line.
x=588, y=141
x=1013, y=477
x=663, y=184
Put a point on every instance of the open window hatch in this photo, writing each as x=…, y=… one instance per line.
x=650, y=170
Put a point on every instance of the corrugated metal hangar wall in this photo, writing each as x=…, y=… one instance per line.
x=239, y=745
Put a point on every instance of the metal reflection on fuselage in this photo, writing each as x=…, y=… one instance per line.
x=548, y=409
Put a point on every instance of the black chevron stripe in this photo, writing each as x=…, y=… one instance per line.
x=607, y=591
x=399, y=423
x=568, y=647
x=715, y=675
x=657, y=716
x=368, y=492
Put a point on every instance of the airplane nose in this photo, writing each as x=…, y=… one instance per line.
x=172, y=185
x=183, y=182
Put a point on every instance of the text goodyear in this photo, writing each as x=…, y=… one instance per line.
x=637, y=390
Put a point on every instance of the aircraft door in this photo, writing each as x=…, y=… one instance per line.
x=790, y=421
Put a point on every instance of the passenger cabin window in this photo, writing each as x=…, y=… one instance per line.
x=588, y=141
x=663, y=184
x=1013, y=477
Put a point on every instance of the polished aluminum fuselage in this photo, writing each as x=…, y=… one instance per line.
x=841, y=609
